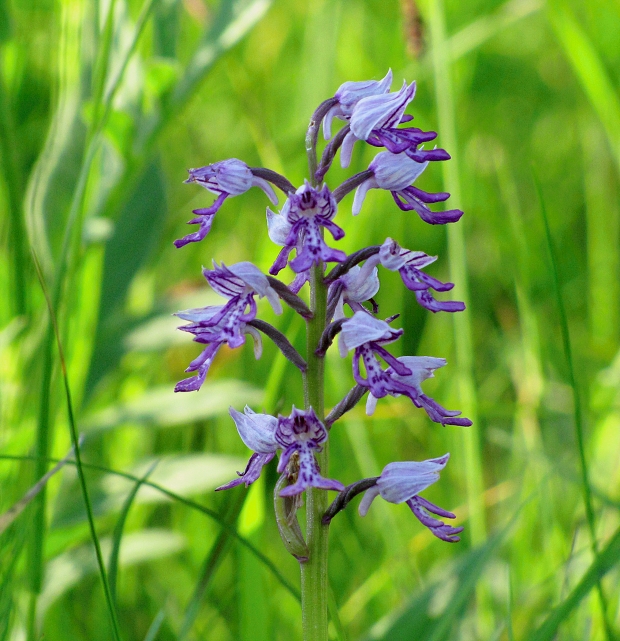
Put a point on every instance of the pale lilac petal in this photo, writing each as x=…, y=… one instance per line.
x=402, y=480
x=346, y=151
x=363, y=328
x=385, y=110
x=251, y=276
x=233, y=176
x=266, y=187
x=369, y=496
x=257, y=431
x=358, y=285
x=334, y=112
x=278, y=227
x=360, y=194
x=422, y=367
x=200, y=314
x=350, y=93
x=395, y=171
x=257, y=340
x=223, y=281
x=390, y=255
x=371, y=405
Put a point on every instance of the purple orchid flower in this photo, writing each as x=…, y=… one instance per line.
x=420, y=368
x=355, y=287
x=375, y=113
x=409, y=264
x=300, y=435
x=395, y=173
x=349, y=94
x=375, y=119
x=215, y=325
x=299, y=227
x=257, y=431
x=226, y=178
x=402, y=482
x=366, y=335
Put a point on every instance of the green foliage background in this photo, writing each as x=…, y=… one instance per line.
x=103, y=107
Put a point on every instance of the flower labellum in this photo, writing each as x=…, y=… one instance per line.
x=409, y=265
x=299, y=227
x=300, y=435
x=420, y=368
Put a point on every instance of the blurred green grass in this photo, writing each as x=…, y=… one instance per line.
x=95, y=141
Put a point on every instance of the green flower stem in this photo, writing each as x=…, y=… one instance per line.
x=314, y=586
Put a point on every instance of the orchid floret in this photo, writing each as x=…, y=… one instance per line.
x=226, y=178
x=349, y=94
x=300, y=435
x=307, y=211
x=402, y=482
x=396, y=173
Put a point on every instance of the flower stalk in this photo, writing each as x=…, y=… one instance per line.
x=314, y=585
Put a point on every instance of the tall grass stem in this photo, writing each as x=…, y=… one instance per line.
x=577, y=409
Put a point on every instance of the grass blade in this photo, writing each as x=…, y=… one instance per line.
x=117, y=535
x=590, y=72
x=10, y=515
x=481, y=30
x=102, y=63
x=577, y=411
x=155, y=626
x=417, y=621
x=210, y=565
x=78, y=459
x=10, y=163
x=605, y=561
x=270, y=565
